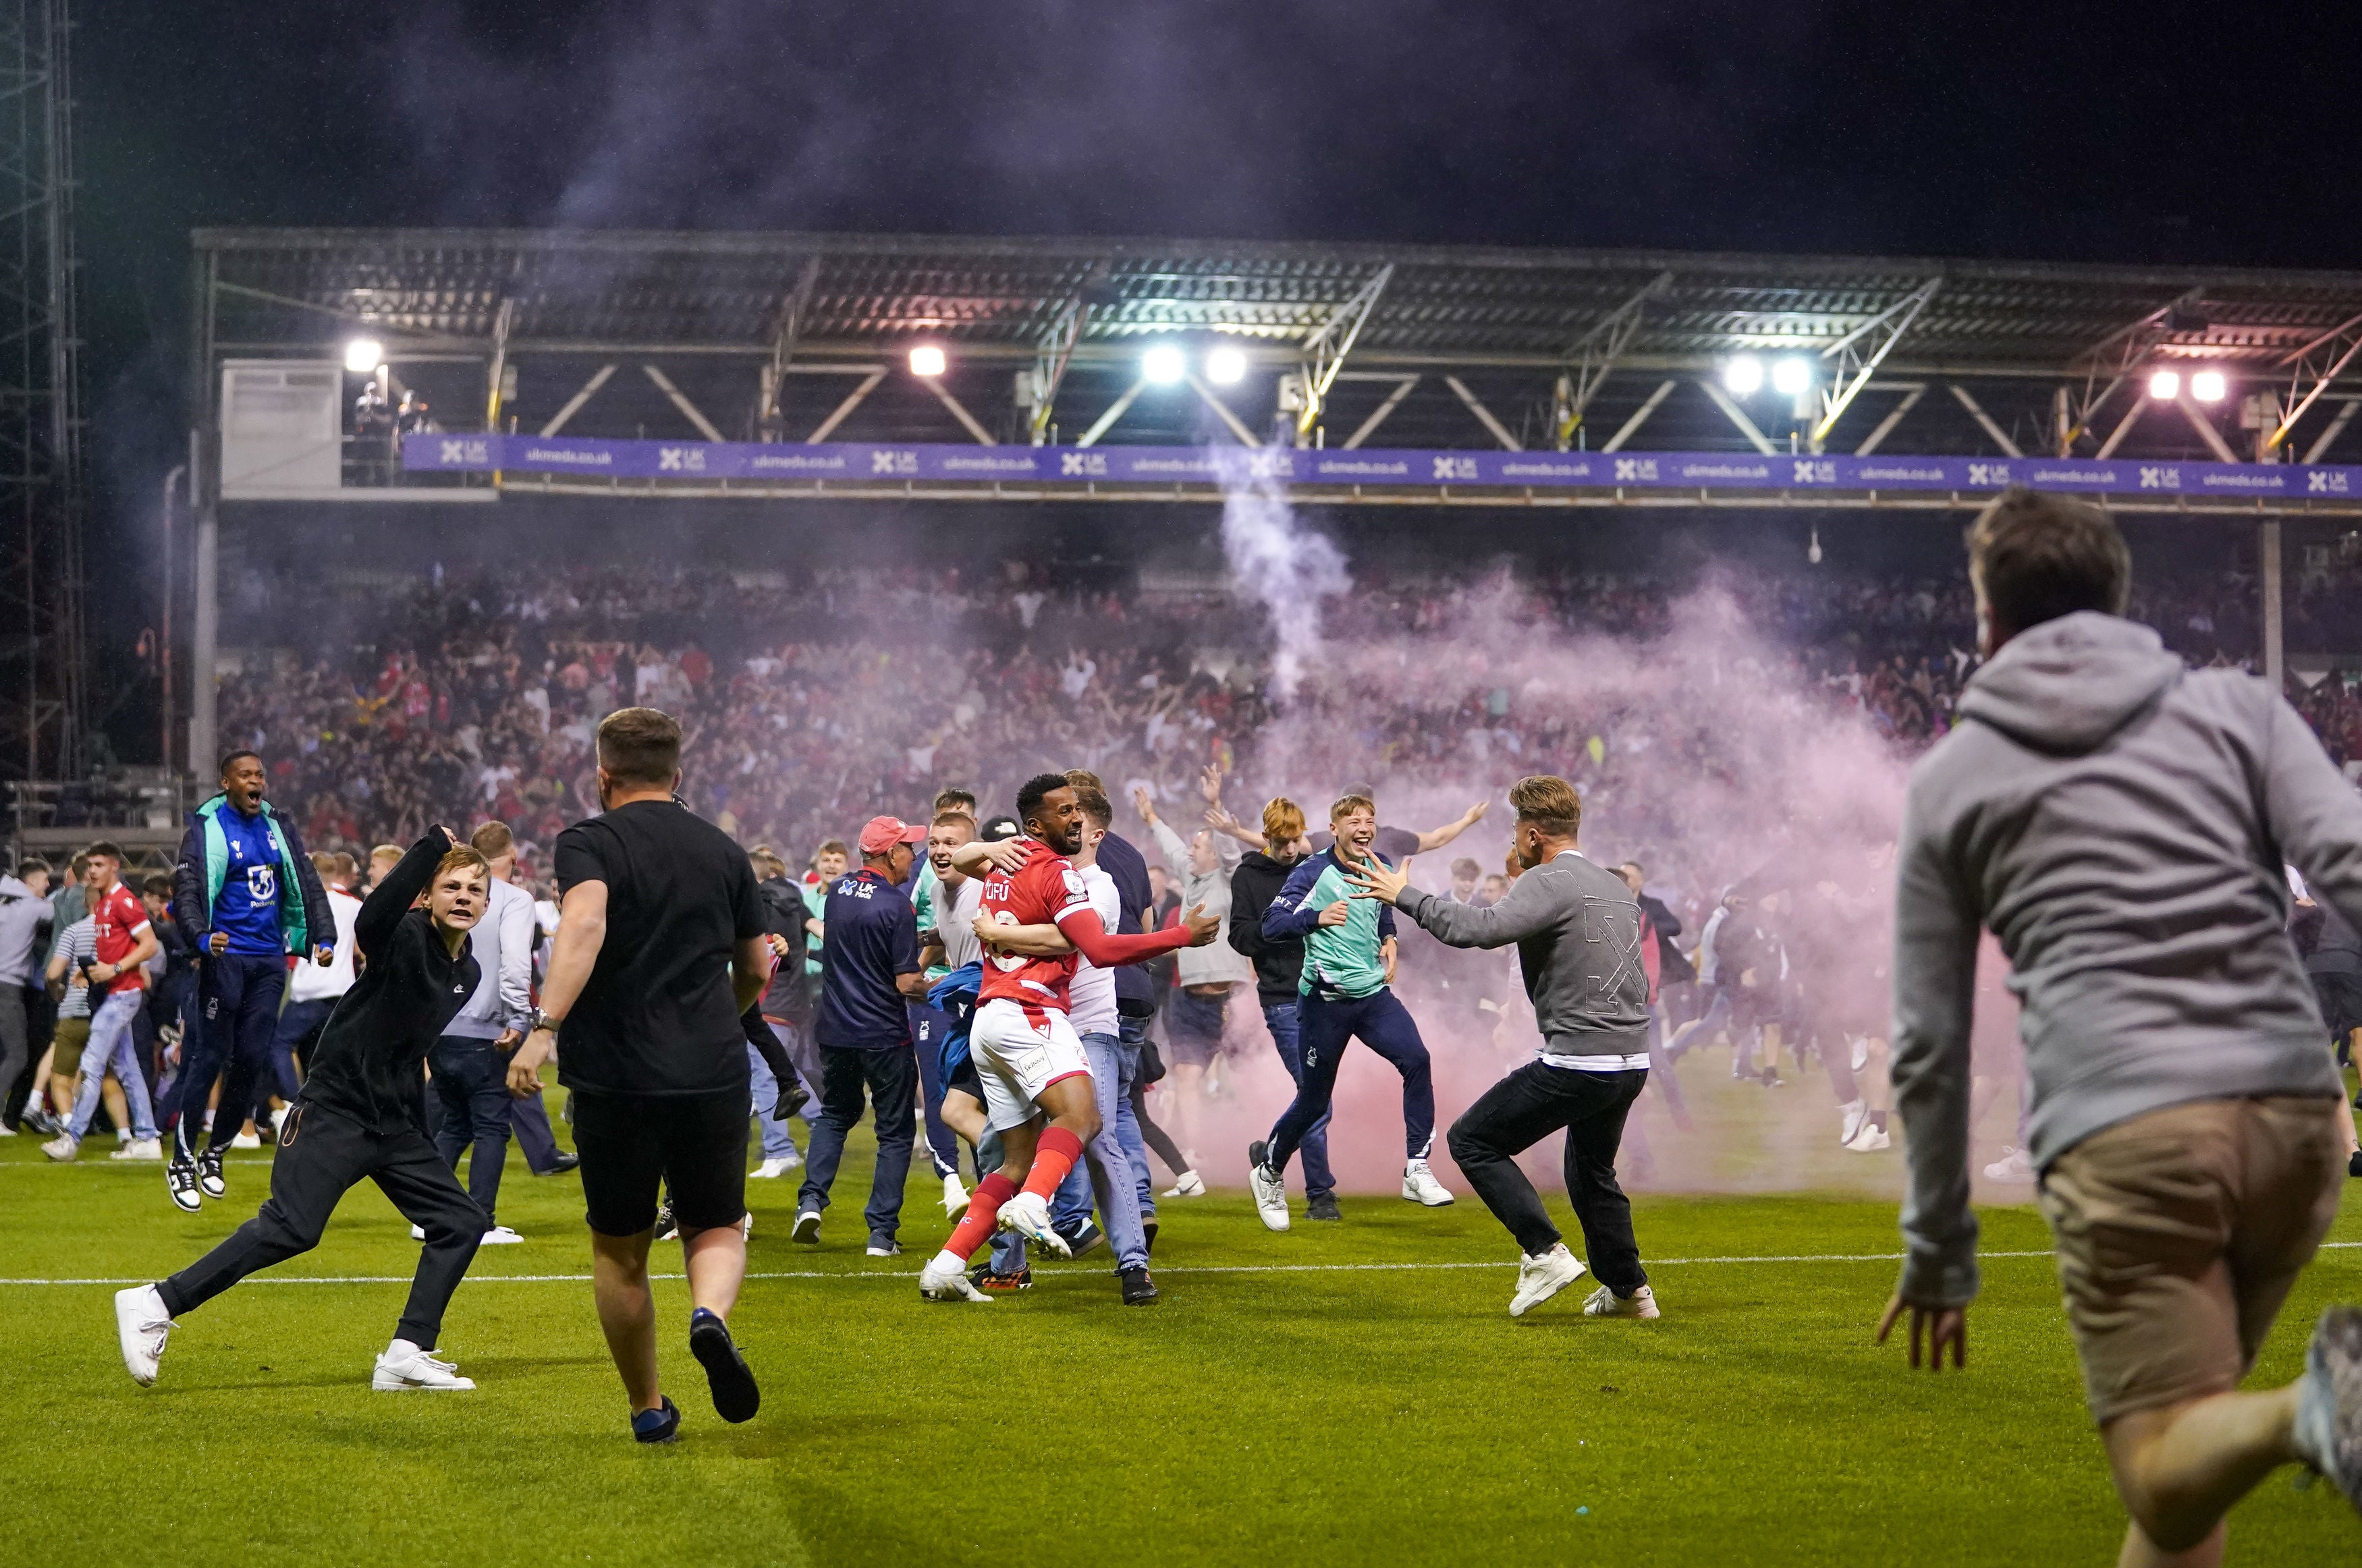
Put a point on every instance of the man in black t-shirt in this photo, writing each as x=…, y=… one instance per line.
x=661, y=950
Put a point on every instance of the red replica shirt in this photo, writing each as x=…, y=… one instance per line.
x=1046, y=890
x=118, y=920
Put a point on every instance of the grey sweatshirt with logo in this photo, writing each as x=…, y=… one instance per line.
x=2120, y=824
x=1577, y=928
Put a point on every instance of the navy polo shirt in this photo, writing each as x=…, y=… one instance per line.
x=872, y=936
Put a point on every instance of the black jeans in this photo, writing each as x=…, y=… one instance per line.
x=471, y=1082
x=1521, y=1110
x=237, y=1014
x=321, y=1155
x=892, y=1079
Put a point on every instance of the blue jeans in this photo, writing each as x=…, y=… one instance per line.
x=110, y=1048
x=471, y=1086
x=1110, y=1170
x=778, y=1142
x=927, y=1025
x=1380, y=1022
x=300, y=1024
x=237, y=1015
x=1280, y=1019
x=891, y=1078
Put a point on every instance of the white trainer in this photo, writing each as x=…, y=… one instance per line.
x=1606, y=1303
x=1270, y=1196
x=1852, y=1114
x=807, y=1227
x=954, y=1197
x=771, y=1170
x=500, y=1236
x=246, y=1141
x=418, y=1232
x=1029, y=1216
x=1540, y=1278
x=141, y=1327
x=2014, y=1168
x=139, y=1149
x=1419, y=1185
x=406, y=1366
x=63, y=1147
x=1859, y=1053
x=1871, y=1139
x=945, y=1279
x=1188, y=1184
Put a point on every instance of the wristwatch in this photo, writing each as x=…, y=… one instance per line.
x=540, y=1020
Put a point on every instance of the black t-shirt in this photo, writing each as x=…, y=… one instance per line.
x=658, y=1016
x=1393, y=844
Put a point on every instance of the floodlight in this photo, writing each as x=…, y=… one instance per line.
x=2208, y=386
x=1743, y=373
x=926, y=359
x=1164, y=364
x=1792, y=375
x=1226, y=367
x=363, y=356
x=2165, y=385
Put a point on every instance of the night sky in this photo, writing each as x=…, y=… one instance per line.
x=2151, y=133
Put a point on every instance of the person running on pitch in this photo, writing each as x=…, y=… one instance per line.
x=362, y=1112
x=1577, y=927
x=2121, y=823
x=1347, y=991
x=1027, y=1054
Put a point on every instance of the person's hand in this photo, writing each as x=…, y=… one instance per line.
x=1218, y=818
x=1202, y=927
x=217, y=943
x=450, y=839
x=1373, y=879
x=987, y=930
x=1143, y=805
x=1210, y=784
x=779, y=944
x=1387, y=950
x=1939, y=1327
x=324, y=956
x=524, y=1079
x=1007, y=854
x=98, y=980
x=1474, y=813
x=508, y=1040
x=1334, y=914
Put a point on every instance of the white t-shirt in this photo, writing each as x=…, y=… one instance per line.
x=311, y=982
x=1090, y=1000
x=956, y=923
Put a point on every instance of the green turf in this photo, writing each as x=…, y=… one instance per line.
x=1377, y=1415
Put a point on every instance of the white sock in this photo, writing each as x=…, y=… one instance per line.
x=948, y=1259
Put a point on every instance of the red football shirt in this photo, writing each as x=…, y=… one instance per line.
x=116, y=922
x=1044, y=891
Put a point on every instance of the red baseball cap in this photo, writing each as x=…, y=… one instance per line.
x=882, y=834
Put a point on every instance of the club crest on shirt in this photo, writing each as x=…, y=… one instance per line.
x=262, y=883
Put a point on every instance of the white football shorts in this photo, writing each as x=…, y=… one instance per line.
x=1019, y=1052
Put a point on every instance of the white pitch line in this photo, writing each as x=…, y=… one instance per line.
x=1181, y=1268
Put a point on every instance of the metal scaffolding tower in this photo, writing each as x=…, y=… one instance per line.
x=43, y=680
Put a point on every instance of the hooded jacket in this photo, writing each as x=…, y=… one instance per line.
x=205, y=862
x=1278, y=961
x=2120, y=824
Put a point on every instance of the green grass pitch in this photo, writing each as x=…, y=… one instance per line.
x=1373, y=1402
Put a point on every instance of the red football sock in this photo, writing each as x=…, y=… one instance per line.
x=983, y=1215
x=1054, y=1156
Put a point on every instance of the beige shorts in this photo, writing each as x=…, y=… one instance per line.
x=66, y=1042
x=2179, y=1234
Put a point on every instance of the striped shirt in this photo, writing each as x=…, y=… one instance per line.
x=78, y=943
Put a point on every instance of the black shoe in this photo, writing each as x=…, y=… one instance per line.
x=660, y=1425
x=1323, y=1207
x=1148, y=1229
x=209, y=1174
x=1088, y=1240
x=266, y=1129
x=735, y=1397
x=984, y=1279
x=561, y=1165
x=665, y=1229
x=181, y=1181
x=1139, y=1290
x=2354, y=1165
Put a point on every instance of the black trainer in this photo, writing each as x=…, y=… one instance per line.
x=1139, y=1290
x=561, y=1165
x=1324, y=1207
x=735, y=1397
x=181, y=1181
x=660, y=1425
x=209, y=1174
x=1090, y=1238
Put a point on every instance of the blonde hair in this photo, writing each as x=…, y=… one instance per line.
x=463, y=857
x=1347, y=805
x=1283, y=823
x=1549, y=802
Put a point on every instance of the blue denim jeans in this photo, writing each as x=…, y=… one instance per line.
x=1114, y=1167
x=778, y=1142
x=110, y=1048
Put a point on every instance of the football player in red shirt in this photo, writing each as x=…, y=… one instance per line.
x=1025, y=1051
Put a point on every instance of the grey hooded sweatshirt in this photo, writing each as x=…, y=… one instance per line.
x=2120, y=824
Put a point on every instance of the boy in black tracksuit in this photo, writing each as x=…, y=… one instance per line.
x=362, y=1113
x=1279, y=969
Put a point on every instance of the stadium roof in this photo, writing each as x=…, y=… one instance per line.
x=803, y=337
